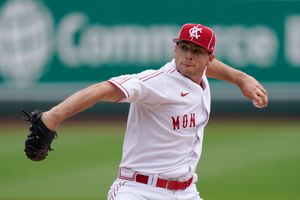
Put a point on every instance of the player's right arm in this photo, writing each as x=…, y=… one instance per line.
x=249, y=86
x=81, y=100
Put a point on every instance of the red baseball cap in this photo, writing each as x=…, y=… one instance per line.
x=199, y=35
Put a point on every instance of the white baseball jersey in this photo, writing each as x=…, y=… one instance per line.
x=167, y=116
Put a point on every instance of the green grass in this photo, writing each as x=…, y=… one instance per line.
x=241, y=160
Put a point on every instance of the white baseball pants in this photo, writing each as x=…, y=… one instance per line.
x=130, y=190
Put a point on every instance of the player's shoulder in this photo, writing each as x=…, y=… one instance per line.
x=169, y=67
x=152, y=74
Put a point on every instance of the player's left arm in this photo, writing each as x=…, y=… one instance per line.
x=249, y=86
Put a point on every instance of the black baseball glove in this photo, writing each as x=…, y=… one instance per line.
x=39, y=138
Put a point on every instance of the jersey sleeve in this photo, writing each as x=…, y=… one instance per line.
x=146, y=87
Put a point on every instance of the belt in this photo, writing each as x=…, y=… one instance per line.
x=162, y=183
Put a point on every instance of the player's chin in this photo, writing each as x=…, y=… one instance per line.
x=187, y=69
x=183, y=65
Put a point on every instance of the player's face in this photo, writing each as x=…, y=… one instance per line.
x=191, y=60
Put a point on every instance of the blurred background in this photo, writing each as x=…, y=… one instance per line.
x=50, y=49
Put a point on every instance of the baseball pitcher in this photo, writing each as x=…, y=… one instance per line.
x=169, y=109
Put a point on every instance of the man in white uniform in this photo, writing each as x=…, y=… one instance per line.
x=169, y=109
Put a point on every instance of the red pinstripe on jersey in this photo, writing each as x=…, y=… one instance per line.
x=170, y=71
x=149, y=76
x=124, y=80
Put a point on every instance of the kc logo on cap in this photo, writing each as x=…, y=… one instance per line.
x=195, y=32
x=198, y=34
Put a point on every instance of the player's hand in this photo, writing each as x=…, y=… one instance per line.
x=253, y=90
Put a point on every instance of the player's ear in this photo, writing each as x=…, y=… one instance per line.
x=211, y=57
x=175, y=48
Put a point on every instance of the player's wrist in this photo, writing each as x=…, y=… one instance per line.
x=51, y=120
x=241, y=78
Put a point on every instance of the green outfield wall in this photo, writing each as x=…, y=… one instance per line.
x=49, y=49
